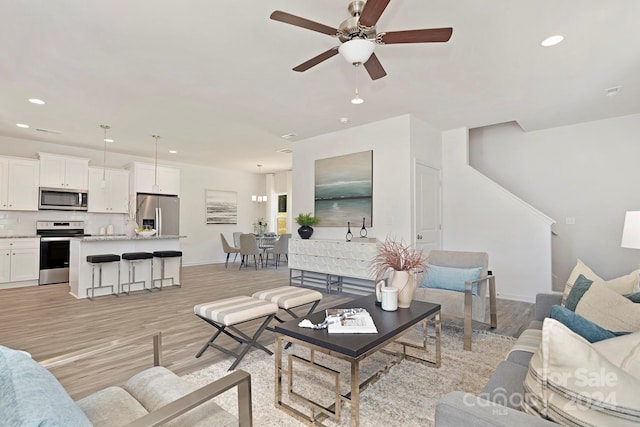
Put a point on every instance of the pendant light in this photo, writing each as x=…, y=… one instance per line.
x=259, y=198
x=156, y=187
x=103, y=183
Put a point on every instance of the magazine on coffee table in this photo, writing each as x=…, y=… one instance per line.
x=350, y=321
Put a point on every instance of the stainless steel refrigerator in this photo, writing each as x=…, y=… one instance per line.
x=159, y=212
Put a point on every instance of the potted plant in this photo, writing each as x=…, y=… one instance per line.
x=306, y=221
x=403, y=261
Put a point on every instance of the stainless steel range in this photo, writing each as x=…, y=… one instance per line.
x=54, y=248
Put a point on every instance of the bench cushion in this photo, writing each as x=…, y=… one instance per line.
x=31, y=396
x=230, y=311
x=289, y=296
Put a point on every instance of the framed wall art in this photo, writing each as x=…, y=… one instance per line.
x=221, y=207
x=344, y=190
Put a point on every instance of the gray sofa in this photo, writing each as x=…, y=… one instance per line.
x=499, y=402
x=31, y=395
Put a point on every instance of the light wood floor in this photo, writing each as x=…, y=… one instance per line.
x=46, y=321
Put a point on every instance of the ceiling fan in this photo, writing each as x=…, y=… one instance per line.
x=358, y=36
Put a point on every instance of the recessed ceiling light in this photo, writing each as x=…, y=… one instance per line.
x=344, y=120
x=552, y=41
x=36, y=101
x=289, y=135
x=613, y=91
x=108, y=140
x=173, y=151
x=21, y=125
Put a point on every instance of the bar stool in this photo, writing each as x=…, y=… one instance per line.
x=99, y=260
x=164, y=255
x=134, y=258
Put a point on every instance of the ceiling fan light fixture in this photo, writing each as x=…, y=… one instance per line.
x=357, y=51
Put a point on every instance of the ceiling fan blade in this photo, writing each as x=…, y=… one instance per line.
x=431, y=35
x=374, y=68
x=317, y=59
x=371, y=12
x=288, y=18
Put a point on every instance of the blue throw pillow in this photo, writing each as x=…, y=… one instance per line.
x=580, y=287
x=450, y=278
x=635, y=296
x=32, y=396
x=581, y=326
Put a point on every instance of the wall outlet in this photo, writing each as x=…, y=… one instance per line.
x=570, y=220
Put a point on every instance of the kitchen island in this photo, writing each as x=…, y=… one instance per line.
x=80, y=269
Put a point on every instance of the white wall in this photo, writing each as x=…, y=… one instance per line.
x=392, y=178
x=479, y=215
x=588, y=172
x=202, y=244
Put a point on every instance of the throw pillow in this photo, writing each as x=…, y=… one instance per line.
x=622, y=285
x=609, y=309
x=570, y=382
x=580, y=268
x=578, y=324
x=634, y=297
x=578, y=290
x=450, y=278
x=32, y=396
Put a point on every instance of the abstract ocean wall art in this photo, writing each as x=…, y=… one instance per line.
x=344, y=190
x=221, y=207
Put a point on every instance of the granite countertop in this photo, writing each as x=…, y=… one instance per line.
x=124, y=237
x=34, y=236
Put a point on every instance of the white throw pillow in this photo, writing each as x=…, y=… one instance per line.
x=621, y=285
x=608, y=309
x=572, y=383
x=580, y=268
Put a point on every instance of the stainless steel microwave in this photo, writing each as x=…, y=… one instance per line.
x=62, y=199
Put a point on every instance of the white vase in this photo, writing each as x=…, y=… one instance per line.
x=130, y=228
x=405, y=282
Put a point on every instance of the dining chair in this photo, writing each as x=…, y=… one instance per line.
x=248, y=247
x=281, y=247
x=236, y=238
x=228, y=249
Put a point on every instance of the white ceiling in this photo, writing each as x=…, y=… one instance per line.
x=213, y=78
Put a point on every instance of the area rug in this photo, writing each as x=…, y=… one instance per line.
x=406, y=395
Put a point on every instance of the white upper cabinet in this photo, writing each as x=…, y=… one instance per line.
x=113, y=197
x=143, y=177
x=18, y=184
x=58, y=171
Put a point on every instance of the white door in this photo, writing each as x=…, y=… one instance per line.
x=23, y=185
x=428, y=208
x=76, y=174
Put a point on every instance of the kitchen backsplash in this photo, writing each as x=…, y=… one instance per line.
x=15, y=223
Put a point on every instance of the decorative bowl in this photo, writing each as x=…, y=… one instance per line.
x=146, y=233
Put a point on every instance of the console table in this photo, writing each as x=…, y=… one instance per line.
x=329, y=262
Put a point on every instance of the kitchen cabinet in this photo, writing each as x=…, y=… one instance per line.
x=58, y=171
x=143, y=177
x=18, y=184
x=114, y=196
x=19, y=259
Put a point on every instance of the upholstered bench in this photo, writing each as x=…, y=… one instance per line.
x=226, y=313
x=289, y=297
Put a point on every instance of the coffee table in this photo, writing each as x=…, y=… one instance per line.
x=353, y=348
